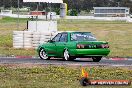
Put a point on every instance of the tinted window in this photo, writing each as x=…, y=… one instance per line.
x=57, y=37
x=82, y=36
x=63, y=37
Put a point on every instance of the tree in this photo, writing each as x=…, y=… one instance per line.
x=77, y=5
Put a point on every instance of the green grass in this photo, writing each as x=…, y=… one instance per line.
x=117, y=33
x=12, y=76
x=8, y=19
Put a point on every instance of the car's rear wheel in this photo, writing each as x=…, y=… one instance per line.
x=66, y=55
x=43, y=55
x=96, y=59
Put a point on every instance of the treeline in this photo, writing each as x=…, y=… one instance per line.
x=88, y=5
x=78, y=5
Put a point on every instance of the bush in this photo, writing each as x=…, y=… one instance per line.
x=73, y=12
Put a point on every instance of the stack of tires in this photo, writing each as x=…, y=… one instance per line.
x=28, y=39
x=36, y=39
x=45, y=37
x=18, y=39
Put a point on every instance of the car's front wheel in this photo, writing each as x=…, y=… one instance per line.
x=43, y=55
x=96, y=59
x=66, y=55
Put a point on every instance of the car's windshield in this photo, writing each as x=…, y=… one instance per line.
x=82, y=36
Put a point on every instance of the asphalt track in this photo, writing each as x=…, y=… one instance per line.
x=77, y=62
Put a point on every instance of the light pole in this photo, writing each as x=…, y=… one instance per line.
x=118, y=4
x=18, y=13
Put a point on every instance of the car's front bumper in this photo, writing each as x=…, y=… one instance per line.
x=89, y=52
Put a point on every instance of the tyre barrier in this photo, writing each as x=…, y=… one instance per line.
x=27, y=42
x=19, y=46
x=29, y=39
x=28, y=32
x=28, y=36
x=25, y=46
x=18, y=39
x=19, y=35
x=42, y=42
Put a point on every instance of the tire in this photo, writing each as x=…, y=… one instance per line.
x=18, y=47
x=96, y=59
x=43, y=55
x=45, y=34
x=17, y=32
x=27, y=44
x=84, y=81
x=26, y=47
x=27, y=36
x=18, y=38
x=66, y=55
x=18, y=35
x=17, y=44
x=28, y=32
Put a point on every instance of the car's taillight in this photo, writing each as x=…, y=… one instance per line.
x=80, y=46
x=105, y=46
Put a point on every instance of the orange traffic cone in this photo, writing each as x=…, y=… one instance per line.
x=84, y=73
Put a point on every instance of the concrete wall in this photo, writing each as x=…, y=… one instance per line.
x=42, y=26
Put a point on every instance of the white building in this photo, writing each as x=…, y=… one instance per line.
x=111, y=11
x=6, y=12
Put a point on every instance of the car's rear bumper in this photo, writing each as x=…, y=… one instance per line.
x=89, y=52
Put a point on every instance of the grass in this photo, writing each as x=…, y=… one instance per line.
x=57, y=77
x=117, y=33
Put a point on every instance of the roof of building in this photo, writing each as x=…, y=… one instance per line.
x=111, y=8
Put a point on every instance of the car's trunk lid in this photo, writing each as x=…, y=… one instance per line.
x=92, y=44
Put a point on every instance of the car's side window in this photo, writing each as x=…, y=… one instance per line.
x=63, y=37
x=57, y=38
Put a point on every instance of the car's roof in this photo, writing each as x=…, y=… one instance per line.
x=74, y=31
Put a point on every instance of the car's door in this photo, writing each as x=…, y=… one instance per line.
x=51, y=46
x=61, y=45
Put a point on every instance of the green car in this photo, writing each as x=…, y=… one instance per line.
x=72, y=45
